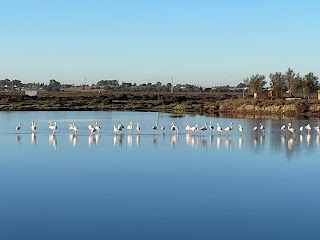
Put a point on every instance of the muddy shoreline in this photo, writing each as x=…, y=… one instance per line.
x=215, y=104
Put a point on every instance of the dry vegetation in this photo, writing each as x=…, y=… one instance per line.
x=199, y=103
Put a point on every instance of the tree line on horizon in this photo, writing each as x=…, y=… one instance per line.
x=289, y=81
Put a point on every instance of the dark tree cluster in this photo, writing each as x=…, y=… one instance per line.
x=289, y=82
x=54, y=86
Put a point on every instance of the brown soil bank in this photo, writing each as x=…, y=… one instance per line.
x=197, y=103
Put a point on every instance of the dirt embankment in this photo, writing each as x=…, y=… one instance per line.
x=278, y=108
x=197, y=103
x=166, y=102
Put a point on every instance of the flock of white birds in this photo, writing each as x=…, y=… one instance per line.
x=119, y=127
x=301, y=128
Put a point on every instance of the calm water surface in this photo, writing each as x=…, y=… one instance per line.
x=258, y=185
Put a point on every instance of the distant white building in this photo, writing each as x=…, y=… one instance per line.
x=31, y=93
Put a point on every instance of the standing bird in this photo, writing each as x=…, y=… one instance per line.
x=174, y=128
x=301, y=129
x=194, y=128
x=129, y=128
x=188, y=127
x=227, y=129
x=53, y=127
x=291, y=129
x=91, y=128
x=240, y=129
x=75, y=129
x=18, y=128
x=117, y=129
x=120, y=126
x=262, y=128
x=138, y=128
x=71, y=126
x=317, y=128
x=162, y=128
x=283, y=127
x=97, y=127
x=219, y=129
x=211, y=126
x=308, y=127
x=155, y=127
x=33, y=126
x=204, y=128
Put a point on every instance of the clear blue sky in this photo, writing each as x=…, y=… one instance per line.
x=200, y=42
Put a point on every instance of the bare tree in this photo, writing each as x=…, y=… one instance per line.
x=292, y=81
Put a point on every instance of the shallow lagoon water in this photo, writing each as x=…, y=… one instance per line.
x=153, y=185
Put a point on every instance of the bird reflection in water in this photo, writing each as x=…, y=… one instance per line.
x=93, y=139
x=129, y=139
x=240, y=142
x=174, y=140
x=211, y=139
x=97, y=138
x=301, y=138
x=228, y=144
x=90, y=140
x=218, y=142
x=283, y=140
x=290, y=143
x=308, y=137
x=117, y=140
x=138, y=140
x=53, y=141
x=155, y=141
x=317, y=139
x=18, y=139
x=255, y=140
x=204, y=143
x=191, y=140
x=73, y=139
x=163, y=136
x=33, y=138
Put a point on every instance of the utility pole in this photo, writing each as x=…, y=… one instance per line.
x=85, y=84
x=171, y=84
x=244, y=89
